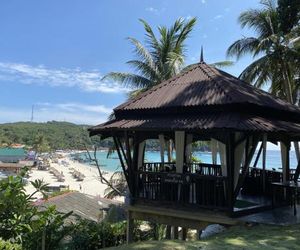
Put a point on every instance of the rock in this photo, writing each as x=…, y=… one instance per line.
x=212, y=230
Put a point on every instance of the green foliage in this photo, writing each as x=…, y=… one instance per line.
x=195, y=159
x=6, y=245
x=40, y=144
x=16, y=211
x=56, y=135
x=115, y=214
x=277, y=61
x=22, y=222
x=91, y=235
x=48, y=225
x=159, y=59
x=118, y=181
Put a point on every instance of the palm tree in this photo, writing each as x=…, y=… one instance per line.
x=275, y=49
x=118, y=181
x=40, y=144
x=278, y=63
x=160, y=58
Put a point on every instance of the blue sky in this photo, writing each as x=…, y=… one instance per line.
x=53, y=53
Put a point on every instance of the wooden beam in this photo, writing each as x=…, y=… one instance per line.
x=120, y=157
x=123, y=151
x=181, y=218
x=246, y=167
x=297, y=172
x=258, y=155
x=128, y=151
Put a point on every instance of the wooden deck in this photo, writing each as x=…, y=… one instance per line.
x=200, y=218
x=195, y=219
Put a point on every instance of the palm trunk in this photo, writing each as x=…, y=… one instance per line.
x=289, y=95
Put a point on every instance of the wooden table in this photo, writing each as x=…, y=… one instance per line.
x=288, y=185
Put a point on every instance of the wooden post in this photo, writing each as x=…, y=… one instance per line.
x=199, y=232
x=287, y=173
x=168, y=232
x=130, y=226
x=184, y=233
x=285, y=156
x=264, y=157
x=134, y=166
x=175, y=233
x=229, y=166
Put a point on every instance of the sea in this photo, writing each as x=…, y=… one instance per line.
x=112, y=163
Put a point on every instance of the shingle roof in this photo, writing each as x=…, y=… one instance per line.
x=204, y=85
x=82, y=205
x=204, y=98
x=203, y=122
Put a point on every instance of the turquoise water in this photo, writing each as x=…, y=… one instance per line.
x=113, y=164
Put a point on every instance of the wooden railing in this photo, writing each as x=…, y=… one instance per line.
x=186, y=189
x=192, y=168
x=199, y=184
x=254, y=182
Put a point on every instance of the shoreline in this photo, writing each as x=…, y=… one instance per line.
x=90, y=185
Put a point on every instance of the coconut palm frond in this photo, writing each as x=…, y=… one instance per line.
x=243, y=46
x=275, y=25
x=223, y=64
x=254, y=73
x=129, y=80
x=118, y=181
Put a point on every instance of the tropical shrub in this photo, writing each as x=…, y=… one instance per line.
x=23, y=223
x=6, y=245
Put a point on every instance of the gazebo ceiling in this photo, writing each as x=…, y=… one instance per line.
x=204, y=98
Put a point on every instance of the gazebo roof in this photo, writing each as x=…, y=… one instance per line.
x=204, y=98
x=203, y=85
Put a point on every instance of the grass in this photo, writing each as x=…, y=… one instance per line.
x=258, y=237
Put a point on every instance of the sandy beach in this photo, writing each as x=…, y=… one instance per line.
x=90, y=185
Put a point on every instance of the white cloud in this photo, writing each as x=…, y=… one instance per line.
x=72, y=112
x=86, y=80
x=76, y=107
x=152, y=9
x=203, y=1
x=218, y=17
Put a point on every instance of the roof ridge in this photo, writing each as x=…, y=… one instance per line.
x=213, y=69
x=156, y=87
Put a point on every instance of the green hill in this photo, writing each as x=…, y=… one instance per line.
x=59, y=135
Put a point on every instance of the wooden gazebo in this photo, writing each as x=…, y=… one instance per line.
x=204, y=104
